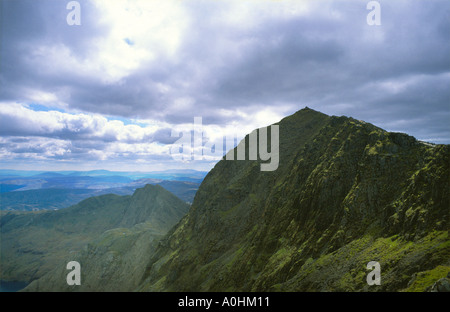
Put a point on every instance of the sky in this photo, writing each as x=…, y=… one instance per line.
x=117, y=91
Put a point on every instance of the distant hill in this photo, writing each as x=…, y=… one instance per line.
x=49, y=175
x=5, y=188
x=55, y=198
x=34, y=243
x=8, y=173
x=51, y=198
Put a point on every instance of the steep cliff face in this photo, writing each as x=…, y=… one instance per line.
x=345, y=193
x=103, y=228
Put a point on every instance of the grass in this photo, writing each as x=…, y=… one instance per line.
x=425, y=279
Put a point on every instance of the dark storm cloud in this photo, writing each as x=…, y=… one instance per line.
x=27, y=24
x=337, y=65
x=326, y=70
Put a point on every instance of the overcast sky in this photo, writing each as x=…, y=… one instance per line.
x=108, y=93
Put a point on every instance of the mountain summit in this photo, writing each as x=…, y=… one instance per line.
x=345, y=193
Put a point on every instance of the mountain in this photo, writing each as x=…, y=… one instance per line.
x=35, y=243
x=59, y=181
x=8, y=173
x=49, y=175
x=6, y=188
x=345, y=193
x=38, y=190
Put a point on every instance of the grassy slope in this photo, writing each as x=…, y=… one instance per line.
x=34, y=243
x=344, y=187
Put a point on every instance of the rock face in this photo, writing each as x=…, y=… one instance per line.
x=442, y=285
x=345, y=193
x=111, y=236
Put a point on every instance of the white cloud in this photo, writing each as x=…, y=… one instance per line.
x=239, y=64
x=139, y=32
x=17, y=119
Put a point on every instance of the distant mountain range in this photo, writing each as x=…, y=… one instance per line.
x=134, y=175
x=31, y=190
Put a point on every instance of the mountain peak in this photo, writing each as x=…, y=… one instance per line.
x=153, y=202
x=150, y=188
x=342, y=185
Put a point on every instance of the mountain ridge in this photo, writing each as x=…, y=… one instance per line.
x=33, y=243
x=340, y=182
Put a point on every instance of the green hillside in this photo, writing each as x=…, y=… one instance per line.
x=345, y=193
x=35, y=243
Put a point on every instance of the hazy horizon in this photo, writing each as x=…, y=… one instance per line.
x=93, y=170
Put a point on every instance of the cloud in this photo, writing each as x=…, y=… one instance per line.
x=237, y=64
x=19, y=120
